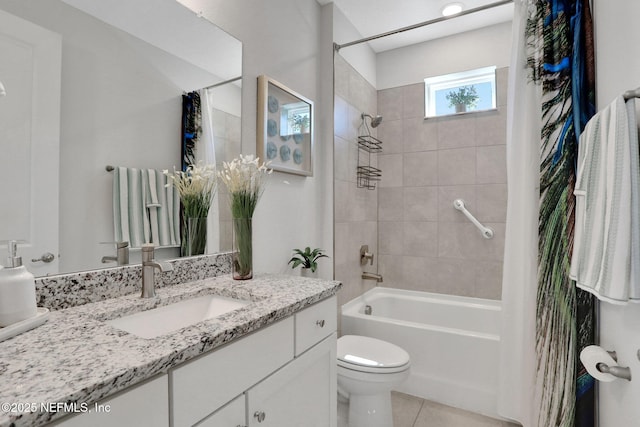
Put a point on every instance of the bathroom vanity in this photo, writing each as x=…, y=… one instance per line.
x=268, y=363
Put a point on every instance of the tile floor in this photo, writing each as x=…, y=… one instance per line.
x=411, y=411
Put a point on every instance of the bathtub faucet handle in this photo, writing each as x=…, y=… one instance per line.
x=365, y=255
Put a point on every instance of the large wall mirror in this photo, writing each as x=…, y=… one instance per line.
x=96, y=83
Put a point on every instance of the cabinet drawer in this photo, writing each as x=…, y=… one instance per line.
x=315, y=323
x=146, y=404
x=203, y=385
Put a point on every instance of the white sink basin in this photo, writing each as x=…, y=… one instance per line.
x=169, y=318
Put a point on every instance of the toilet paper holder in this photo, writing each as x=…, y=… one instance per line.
x=616, y=371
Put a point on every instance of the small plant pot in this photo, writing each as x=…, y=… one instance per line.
x=461, y=108
x=306, y=272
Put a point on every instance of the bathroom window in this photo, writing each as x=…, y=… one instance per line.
x=463, y=92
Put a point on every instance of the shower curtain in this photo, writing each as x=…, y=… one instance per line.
x=555, y=39
x=517, y=358
x=206, y=152
x=191, y=127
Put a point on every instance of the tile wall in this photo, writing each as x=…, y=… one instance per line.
x=424, y=243
x=356, y=218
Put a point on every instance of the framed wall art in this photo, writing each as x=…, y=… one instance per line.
x=285, y=128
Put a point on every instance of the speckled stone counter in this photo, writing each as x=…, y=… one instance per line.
x=76, y=357
x=72, y=289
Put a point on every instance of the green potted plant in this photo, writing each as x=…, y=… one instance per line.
x=307, y=259
x=299, y=123
x=463, y=98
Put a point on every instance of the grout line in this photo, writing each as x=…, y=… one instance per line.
x=415, y=420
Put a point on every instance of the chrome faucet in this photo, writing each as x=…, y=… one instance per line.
x=149, y=266
x=372, y=276
x=122, y=254
x=365, y=255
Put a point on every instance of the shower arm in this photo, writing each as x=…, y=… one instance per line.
x=486, y=232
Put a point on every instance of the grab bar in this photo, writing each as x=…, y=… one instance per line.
x=486, y=232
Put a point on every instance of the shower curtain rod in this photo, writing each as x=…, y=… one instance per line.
x=337, y=46
x=217, y=84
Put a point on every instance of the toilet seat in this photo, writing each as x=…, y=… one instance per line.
x=366, y=354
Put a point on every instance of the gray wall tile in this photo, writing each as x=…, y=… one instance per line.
x=457, y=166
x=420, y=168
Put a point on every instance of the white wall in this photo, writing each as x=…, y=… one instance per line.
x=618, y=69
x=285, y=40
x=465, y=51
x=360, y=56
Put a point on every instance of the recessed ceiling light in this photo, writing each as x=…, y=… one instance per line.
x=452, y=9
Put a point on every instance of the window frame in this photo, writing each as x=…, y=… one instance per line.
x=456, y=80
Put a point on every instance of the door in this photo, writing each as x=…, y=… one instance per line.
x=30, y=71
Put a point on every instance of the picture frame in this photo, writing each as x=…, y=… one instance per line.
x=285, y=128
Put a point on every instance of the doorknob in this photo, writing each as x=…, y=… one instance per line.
x=46, y=257
x=260, y=416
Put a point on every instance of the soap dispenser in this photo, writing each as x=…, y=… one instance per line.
x=17, y=290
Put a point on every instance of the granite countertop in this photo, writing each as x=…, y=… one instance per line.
x=76, y=357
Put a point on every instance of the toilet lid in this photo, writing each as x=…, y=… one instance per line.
x=370, y=354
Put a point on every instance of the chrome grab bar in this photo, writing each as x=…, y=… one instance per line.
x=486, y=232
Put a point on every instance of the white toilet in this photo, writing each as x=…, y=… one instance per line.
x=368, y=369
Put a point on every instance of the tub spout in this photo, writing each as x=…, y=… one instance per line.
x=371, y=276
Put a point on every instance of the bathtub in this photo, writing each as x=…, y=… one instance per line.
x=453, y=342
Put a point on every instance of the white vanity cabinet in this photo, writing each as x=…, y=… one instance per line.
x=301, y=393
x=201, y=386
x=283, y=375
x=233, y=414
x=143, y=405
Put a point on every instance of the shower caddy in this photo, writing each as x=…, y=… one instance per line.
x=367, y=175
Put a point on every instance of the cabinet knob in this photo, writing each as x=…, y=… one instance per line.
x=320, y=323
x=260, y=416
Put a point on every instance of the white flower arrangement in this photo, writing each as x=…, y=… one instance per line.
x=245, y=178
x=196, y=187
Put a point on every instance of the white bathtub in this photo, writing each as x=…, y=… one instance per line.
x=453, y=342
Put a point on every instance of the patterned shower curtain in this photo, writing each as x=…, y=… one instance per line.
x=191, y=127
x=560, y=41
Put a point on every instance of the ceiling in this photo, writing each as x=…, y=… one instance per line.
x=372, y=17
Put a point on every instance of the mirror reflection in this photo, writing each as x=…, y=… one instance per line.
x=95, y=87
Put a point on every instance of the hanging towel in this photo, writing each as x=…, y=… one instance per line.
x=605, y=257
x=161, y=201
x=144, y=209
x=129, y=197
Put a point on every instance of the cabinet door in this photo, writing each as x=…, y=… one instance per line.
x=302, y=393
x=232, y=415
x=203, y=385
x=142, y=405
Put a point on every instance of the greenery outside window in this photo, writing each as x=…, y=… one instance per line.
x=466, y=91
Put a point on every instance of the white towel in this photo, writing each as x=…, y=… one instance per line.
x=130, y=221
x=144, y=209
x=604, y=261
x=161, y=201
